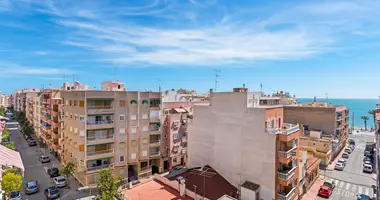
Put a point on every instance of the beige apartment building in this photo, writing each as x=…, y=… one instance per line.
x=332, y=120
x=242, y=135
x=113, y=129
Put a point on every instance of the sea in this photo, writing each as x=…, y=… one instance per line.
x=359, y=107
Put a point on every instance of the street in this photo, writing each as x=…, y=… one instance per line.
x=352, y=180
x=34, y=170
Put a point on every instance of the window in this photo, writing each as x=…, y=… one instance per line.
x=176, y=136
x=133, y=155
x=144, y=141
x=144, y=164
x=67, y=102
x=166, y=111
x=75, y=117
x=145, y=153
x=174, y=160
x=122, y=117
x=81, y=118
x=81, y=103
x=71, y=115
x=133, y=117
x=75, y=130
x=145, y=128
x=81, y=133
x=122, y=103
x=67, y=115
x=133, y=130
x=81, y=148
x=70, y=102
x=122, y=131
x=133, y=143
x=144, y=116
x=121, y=158
x=75, y=103
x=122, y=145
x=71, y=128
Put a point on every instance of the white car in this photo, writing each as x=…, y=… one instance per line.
x=343, y=161
x=60, y=181
x=339, y=166
x=348, y=150
x=367, y=163
x=367, y=168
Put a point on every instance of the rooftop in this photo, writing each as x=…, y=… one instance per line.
x=215, y=185
x=153, y=190
x=316, y=105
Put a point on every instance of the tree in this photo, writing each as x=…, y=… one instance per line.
x=108, y=186
x=5, y=135
x=67, y=170
x=365, y=118
x=2, y=111
x=373, y=113
x=10, y=145
x=11, y=182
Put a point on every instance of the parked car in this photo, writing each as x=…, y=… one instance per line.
x=325, y=191
x=52, y=192
x=31, y=187
x=345, y=155
x=367, y=163
x=367, y=153
x=367, y=159
x=32, y=142
x=44, y=159
x=352, y=147
x=367, y=168
x=343, y=161
x=339, y=166
x=363, y=197
x=348, y=150
x=53, y=172
x=176, y=168
x=15, y=195
x=60, y=181
x=329, y=183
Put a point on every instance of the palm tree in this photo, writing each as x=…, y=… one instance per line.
x=373, y=113
x=365, y=118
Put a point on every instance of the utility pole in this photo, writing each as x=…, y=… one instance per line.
x=261, y=88
x=217, y=75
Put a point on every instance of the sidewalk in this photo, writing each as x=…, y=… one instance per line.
x=331, y=166
x=312, y=192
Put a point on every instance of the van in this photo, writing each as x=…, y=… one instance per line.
x=367, y=168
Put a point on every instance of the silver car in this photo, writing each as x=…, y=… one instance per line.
x=339, y=166
x=60, y=181
x=15, y=195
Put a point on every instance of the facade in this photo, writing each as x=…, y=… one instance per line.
x=332, y=120
x=242, y=135
x=285, y=98
x=183, y=96
x=176, y=117
x=112, y=129
x=318, y=146
x=74, y=86
x=4, y=100
x=377, y=153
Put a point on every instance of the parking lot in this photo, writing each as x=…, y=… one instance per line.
x=34, y=170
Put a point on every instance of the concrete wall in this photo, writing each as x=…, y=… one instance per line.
x=231, y=138
x=316, y=118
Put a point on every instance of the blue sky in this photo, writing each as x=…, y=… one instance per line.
x=307, y=48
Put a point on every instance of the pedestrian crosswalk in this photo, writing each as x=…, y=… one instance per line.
x=350, y=190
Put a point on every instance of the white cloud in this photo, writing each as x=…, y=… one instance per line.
x=15, y=69
x=41, y=53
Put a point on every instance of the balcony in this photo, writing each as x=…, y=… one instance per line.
x=92, y=155
x=287, y=132
x=154, y=151
x=99, y=164
x=93, y=138
x=286, y=174
x=286, y=195
x=286, y=155
x=155, y=103
x=100, y=124
x=154, y=140
x=99, y=106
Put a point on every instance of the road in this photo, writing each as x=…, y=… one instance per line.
x=352, y=180
x=34, y=170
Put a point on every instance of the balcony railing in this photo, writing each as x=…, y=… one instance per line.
x=286, y=174
x=91, y=153
x=99, y=137
x=287, y=154
x=289, y=129
x=288, y=196
x=154, y=153
x=93, y=168
x=99, y=107
x=99, y=122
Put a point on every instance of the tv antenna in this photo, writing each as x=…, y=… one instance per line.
x=217, y=75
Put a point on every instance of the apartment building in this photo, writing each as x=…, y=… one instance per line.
x=50, y=122
x=332, y=120
x=242, y=135
x=112, y=129
x=377, y=142
x=4, y=100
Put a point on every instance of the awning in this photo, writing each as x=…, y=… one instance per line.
x=145, y=101
x=179, y=110
x=9, y=157
x=133, y=101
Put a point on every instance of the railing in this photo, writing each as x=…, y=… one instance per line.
x=99, y=122
x=286, y=175
x=146, y=168
x=99, y=167
x=154, y=153
x=154, y=118
x=91, y=153
x=288, y=131
x=154, y=129
x=286, y=154
x=99, y=107
x=282, y=196
x=99, y=137
x=154, y=141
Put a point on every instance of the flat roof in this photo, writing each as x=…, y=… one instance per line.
x=153, y=190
